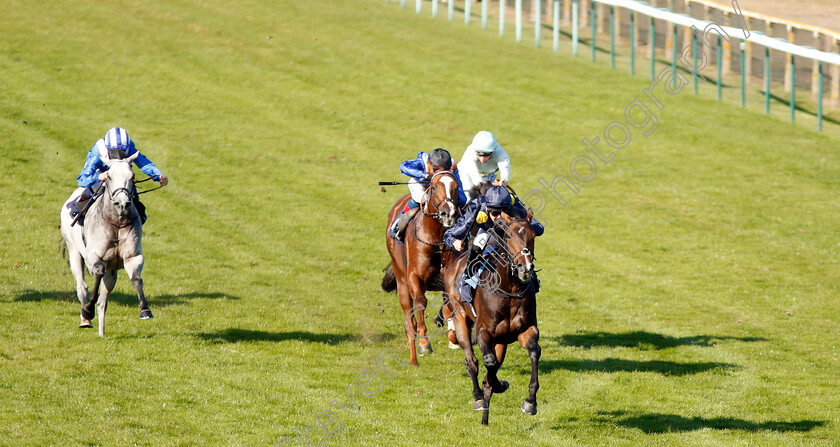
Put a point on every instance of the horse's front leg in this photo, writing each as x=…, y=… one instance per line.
x=530, y=341
x=97, y=269
x=462, y=333
x=77, y=267
x=491, y=362
x=133, y=266
x=417, y=290
x=108, y=282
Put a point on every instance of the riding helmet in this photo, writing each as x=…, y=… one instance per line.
x=498, y=197
x=484, y=142
x=440, y=158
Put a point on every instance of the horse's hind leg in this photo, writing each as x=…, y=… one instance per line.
x=108, y=282
x=77, y=267
x=530, y=341
x=133, y=267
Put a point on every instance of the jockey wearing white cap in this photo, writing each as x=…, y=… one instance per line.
x=482, y=160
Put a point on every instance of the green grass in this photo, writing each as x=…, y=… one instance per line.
x=689, y=293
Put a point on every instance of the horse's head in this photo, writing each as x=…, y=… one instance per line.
x=518, y=238
x=120, y=184
x=442, y=198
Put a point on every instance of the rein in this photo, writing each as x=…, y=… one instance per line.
x=148, y=190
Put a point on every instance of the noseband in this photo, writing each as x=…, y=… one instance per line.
x=112, y=193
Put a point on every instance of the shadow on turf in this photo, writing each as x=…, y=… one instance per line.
x=642, y=340
x=123, y=299
x=235, y=335
x=665, y=423
x=613, y=365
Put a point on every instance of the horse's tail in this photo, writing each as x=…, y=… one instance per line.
x=62, y=247
x=389, y=281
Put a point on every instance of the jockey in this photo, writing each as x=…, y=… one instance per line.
x=421, y=170
x=114, y=146
x=481, y=161
x=483, y=212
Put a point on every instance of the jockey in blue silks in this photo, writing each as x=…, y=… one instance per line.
x=116, y=145
x=420, y=170
x=482, y=213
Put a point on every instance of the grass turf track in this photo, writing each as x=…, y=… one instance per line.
x=689, y=292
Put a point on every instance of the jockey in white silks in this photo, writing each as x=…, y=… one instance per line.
x=116, y=145
x=484, y=161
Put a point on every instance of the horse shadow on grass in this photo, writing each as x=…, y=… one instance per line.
x=642, y=340
x=123, y=299
x=614, y=365
x=236, y=335
x=666, y=423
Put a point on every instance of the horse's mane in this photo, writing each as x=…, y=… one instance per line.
x=479, y=190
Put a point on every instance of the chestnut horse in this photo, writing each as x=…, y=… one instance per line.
x=505, y=311
x=416, y=262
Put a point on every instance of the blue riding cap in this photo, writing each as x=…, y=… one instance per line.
x=498, y=197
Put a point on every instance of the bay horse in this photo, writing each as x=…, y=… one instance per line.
x=416, y=263
x=108, y=241
x=505, y=311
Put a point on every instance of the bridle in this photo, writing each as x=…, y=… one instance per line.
x=427, y=197
x=511, y=259
x=424, y=206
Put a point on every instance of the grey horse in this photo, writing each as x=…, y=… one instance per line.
x=108, y=241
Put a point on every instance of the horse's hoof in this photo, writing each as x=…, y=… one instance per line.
x=424, y=350
x=454, y=345
x=85, y=323
x=87, y=315
x=529, y=408
x=146, y=314
x=480, y=405
x=505, y=386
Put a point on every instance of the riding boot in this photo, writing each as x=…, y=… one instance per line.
x=471, y=271
x=141, y=209
x=78, y=206
x=402, y=222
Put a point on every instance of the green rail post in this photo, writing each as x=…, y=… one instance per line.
x=719, y=70
x=575, y=22
x=593, y=25
x=819, y=101
x=767, y=80
x=451, y=10
x=537, y=22
x=674, y=63
x=612, y=36
x=518, y=20
x=556, y=26
x=792, y=87
x=467, y=14
x=434, y=8
x=743, y=75
x=632, y=43
x=502, y=18
x=652, y=44
x=484, y=14
x=694, y=47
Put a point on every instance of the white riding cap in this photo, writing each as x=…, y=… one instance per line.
x=117, y=138
x=484, y=142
